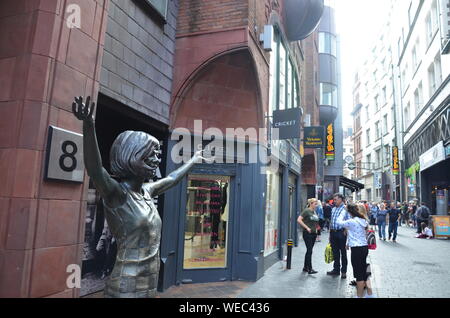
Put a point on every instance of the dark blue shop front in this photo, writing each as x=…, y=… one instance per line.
x=229, y=221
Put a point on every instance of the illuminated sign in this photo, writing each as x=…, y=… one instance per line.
x=395, y=161
x=330, y=150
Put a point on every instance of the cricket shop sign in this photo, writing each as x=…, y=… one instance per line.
x=288, y=122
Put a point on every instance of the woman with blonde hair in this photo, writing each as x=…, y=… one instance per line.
x=356, y=239
x=309, y=221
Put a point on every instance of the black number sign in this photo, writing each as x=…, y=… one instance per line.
x=70, y=155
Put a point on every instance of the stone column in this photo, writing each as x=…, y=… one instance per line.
x=44, y=63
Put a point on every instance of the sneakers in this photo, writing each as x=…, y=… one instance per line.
x=333, y=273
x=311, y=272
x=344, y=276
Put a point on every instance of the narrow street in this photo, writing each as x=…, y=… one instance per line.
x=410, y=268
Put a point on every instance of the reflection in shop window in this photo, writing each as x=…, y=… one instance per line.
x=272, y=213
x=207, y=210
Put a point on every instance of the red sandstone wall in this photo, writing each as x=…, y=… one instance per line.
x=43, y=65
x=206, y=15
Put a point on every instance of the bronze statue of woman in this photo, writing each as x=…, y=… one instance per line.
x=131, y=215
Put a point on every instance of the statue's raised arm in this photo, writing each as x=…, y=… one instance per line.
x=108, y=188
x=173, y=178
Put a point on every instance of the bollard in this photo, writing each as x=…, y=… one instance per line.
x=290, y=244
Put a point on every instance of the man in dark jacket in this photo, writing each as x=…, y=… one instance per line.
x=423, y=214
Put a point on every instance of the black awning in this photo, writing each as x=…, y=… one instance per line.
x=350, y=184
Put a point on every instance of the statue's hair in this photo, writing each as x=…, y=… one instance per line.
x=126, y=150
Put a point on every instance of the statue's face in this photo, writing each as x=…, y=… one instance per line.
x=149, y=162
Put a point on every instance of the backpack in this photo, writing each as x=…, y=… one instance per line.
x=371, y=240
x=424, y=213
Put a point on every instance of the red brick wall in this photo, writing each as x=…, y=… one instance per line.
x=206, y=15
x=43, y=65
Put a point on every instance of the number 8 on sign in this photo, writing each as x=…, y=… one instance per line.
x=64, y=155
x=70, y=155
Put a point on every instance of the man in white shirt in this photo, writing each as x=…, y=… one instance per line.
x=338, y=238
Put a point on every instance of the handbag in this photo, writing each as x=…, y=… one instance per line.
x=328, y=254
x=371, y=240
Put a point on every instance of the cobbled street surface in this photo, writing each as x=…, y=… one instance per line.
x=410, y=268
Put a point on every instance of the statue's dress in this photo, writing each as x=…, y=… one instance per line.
x=136, y=225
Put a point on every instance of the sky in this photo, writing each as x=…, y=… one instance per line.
x=358, y=23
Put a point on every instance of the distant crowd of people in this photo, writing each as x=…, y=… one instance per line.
x=384, y=214
x=349, y=224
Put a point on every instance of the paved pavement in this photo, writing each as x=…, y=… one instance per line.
x=294, y=283
x=410, y=268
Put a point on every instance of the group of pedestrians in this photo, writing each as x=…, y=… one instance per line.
x=394, y=215
x=348, y=225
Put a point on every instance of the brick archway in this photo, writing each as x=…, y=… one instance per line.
x=223, y=94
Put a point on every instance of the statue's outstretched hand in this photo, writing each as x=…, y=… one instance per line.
x=198, y=157
x=83, y=111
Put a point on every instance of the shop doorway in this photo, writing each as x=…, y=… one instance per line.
x=99, y=250
x=207, y=234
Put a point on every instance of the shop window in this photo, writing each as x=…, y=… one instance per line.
x=272, y=213
x=207, y=211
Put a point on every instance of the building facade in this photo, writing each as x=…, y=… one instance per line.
x=153, y=66
x=228, y=78
x=412, y=55
x=424, y=68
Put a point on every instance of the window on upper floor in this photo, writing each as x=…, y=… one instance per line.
x=377, y=130
x=283, y=78
x=432, y=84
x=414, y=58
x=432, y=22
x=387, y=154
x=368, y=161
x=385, y=124
x=328, y=94
x=368, y=137
x=327, y=43
x=377, y=158
x=160, y=6
x=407, y=115
x=418, y=99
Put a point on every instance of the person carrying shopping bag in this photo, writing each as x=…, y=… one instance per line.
x=357, y=227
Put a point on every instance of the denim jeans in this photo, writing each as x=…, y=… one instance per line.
x=309, y=239
x=382, y=229
x=338, y=242
x=393, y=230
